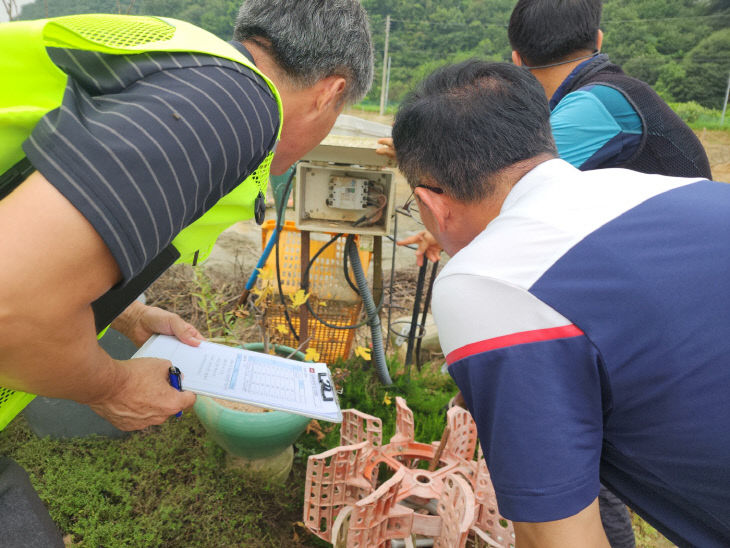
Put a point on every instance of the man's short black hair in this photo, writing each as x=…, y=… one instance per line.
x=545, y=31
x=466, y=122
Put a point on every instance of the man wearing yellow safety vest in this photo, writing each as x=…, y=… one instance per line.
x=129, y=143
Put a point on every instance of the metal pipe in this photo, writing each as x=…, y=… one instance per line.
x=724, y=105
x=414, y=317
x=392, y=280
x=426, y=304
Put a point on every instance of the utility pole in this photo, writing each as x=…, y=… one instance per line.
x=387, y=85
x=385, y=63
x=724, y=106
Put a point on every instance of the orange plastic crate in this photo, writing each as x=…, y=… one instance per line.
x=331, y=296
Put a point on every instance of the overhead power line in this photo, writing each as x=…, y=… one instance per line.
x=504, y=24
x=668, y=58
x=655, y=19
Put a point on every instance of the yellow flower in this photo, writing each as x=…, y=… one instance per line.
x=262, y=295
x=387, y=400
x=363, y=353
x=311, y=355
x=298, y=299
x=266, y=274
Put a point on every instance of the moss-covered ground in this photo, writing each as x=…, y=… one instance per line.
x=168, y=485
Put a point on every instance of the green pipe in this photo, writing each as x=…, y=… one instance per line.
x=252, y=435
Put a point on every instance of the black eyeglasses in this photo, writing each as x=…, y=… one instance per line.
x=410, y=208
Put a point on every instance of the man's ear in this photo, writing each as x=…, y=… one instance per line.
x=516, y=59
x=439, y=206
x=329, y=92
x=599, y=39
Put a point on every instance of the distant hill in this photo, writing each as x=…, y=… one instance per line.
x=681, y=47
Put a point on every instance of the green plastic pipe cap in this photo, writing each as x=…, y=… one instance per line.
x=251, y=435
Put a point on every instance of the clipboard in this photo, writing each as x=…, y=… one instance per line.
x=253, y=378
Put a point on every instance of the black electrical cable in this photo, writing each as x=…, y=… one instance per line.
x=414, y=317
x=285, y=197
x=281, y=291
x=305, y=278
x=279, y=225
x=305, y=285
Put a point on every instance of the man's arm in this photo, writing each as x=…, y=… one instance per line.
x=428, y=247
x=55, y=266
x=578, y=531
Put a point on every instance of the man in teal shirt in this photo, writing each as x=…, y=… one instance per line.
x=599, y=116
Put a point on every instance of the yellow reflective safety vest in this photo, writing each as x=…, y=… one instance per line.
x=32, y=85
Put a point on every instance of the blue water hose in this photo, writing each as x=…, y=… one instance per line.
x=264, y=257
x=281, y=186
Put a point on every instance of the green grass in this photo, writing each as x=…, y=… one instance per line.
x=698, y=117
x=711, y=123
x=168, y=485
x=647, y=536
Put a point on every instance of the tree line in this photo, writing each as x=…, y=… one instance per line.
x=681, y=47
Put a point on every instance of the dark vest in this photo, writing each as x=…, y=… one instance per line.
x=668, y=146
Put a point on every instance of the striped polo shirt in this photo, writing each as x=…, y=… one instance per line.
x=588, y=329
x=142, y=145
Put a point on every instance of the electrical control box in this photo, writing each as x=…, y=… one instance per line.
x=341, y=187
x=348, y=199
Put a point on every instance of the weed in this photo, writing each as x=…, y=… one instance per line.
x=217, y=312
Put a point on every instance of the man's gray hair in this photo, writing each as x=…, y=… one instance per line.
x=313, y=39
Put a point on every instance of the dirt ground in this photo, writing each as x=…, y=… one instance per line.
x=717, y=146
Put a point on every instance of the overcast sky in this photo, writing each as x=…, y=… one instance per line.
x=3, y=13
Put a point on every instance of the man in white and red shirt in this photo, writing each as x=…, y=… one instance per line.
x=584, y=315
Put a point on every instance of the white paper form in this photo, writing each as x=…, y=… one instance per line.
x=250, y=377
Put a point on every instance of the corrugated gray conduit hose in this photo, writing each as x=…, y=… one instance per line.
x=381, y=367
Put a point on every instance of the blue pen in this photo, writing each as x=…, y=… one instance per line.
x=174, y=375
